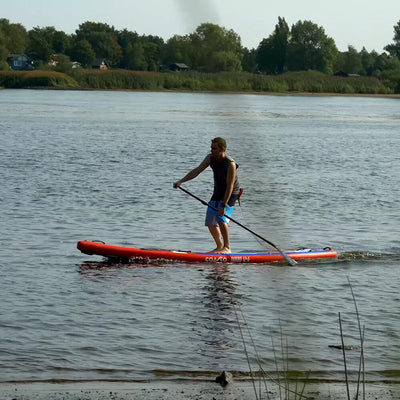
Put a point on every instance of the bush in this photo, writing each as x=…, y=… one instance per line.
x=391, y=78
x=4, y=66
x=33, y=79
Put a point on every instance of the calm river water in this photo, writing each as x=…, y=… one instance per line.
x=317, y=171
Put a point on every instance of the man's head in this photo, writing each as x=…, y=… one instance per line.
x=220, y=142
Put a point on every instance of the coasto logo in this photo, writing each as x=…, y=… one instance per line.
x=216, y=259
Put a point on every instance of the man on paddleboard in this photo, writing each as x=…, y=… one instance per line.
x=226, y=192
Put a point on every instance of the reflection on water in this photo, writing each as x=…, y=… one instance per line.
x=220, y=296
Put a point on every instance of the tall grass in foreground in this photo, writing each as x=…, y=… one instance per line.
x=290, y=387
x=282, y=378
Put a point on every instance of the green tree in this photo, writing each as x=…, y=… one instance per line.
x=394, y=48
x=44, y=42
x=249, y=60
x=152, y=48
x=3, y=49
x=391, y=74
x=13, y=38
x=210, y=38
x=367, y=61
x=226, y=61
x=134, y=57
x=140, y=52
x=61, y=42
x=40, y=45
x=86, y=29
x=178, y=49
x=349, y=61
x=310, y=48
x=82, y=52
x=127, y=41
x=272, y=52
x=102, y=38
x=381, y=62
x=106, y=46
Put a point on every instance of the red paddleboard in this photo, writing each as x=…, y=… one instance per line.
x=107, y=250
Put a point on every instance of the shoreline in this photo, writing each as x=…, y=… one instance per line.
x=316, y=94
x=186, y=389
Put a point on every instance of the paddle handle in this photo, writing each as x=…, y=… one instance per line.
x=287, y=258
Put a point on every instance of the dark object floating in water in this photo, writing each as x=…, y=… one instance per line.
x=224, y=378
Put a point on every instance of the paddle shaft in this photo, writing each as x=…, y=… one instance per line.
x=287, y=258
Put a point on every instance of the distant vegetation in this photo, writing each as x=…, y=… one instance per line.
x=300, y=58
x=291, y=82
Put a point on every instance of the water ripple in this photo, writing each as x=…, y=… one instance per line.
x=101, y=164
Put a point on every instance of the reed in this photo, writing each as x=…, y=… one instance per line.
x=361, y=331
x=283, y=379
x=119, y=79
x=317, y=82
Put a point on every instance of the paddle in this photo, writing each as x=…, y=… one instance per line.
x=287, y=258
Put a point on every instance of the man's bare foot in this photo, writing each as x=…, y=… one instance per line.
x=224, y=250
x=217, y=250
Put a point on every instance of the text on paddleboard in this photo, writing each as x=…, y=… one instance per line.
x=237, y=259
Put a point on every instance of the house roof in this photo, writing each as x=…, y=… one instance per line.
x=99, y=61
x=180, y=65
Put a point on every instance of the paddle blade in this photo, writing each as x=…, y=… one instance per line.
x=288, y=259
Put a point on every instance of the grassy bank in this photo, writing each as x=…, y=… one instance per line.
x=294, y=82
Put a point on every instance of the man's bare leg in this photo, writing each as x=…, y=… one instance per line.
x=216, y=234
x=224, y=229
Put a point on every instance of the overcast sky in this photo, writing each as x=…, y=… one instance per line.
x=359, y=23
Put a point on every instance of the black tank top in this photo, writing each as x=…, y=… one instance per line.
x=220, y=170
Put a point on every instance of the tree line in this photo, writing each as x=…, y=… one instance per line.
x=210, y=48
